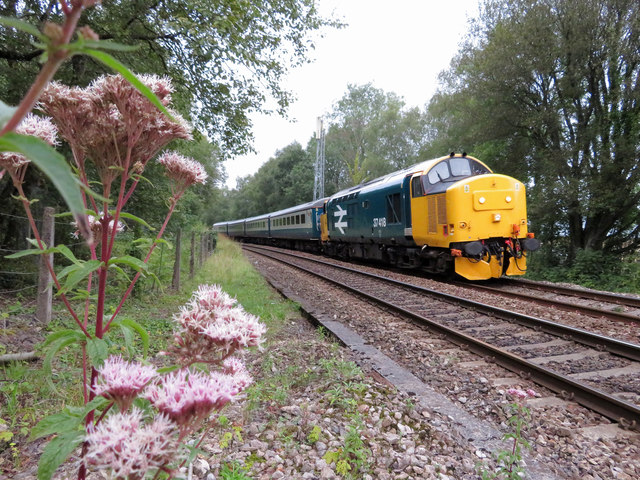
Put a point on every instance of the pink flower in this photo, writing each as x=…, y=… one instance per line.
x=212, y=296
x=188, y=397
x=182, y=171
x=112, y=123
x=234, y=328
x=213, y=327
x=95, y=224
x=41, y=127
x=234, y=368
x=517, y=393
x=122, y=381
x=532, y=393
x=127, y=448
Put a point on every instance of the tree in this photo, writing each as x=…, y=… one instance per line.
x=283, y=181
x=552, y=89
x=226, y=56
x=372, y=134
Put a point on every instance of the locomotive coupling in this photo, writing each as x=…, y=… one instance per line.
x=473, y=249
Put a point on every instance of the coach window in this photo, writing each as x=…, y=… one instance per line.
x=302, y=219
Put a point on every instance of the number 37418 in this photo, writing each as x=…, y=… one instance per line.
x=379, y=222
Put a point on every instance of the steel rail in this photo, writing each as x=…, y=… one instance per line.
x=607, y=405
x=599, y=342
x=618, y=299
x=572, y=307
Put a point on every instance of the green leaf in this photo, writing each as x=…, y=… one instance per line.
x=80, y=272
x=111, y=62
x=6, y=112
x=109, y=45
x=67, y=333
x=58, y=423
x=35, y=243
x=136, y=219
x=53, y=165
x=135, y=326
x=67, y=270
x=169, y=369
x=24, y=253
x=64, y=250
x=56, y=452
x=54, y=347
x=24, y=26
x=127, y=333
x=120, y=272
x=133, y=262
x=98, y=351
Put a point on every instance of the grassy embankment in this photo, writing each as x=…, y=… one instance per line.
x=28, y=395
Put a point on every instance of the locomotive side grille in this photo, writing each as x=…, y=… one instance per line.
x=431, y=214
x=442, y=209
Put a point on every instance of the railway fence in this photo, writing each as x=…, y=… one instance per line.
x=180, y=255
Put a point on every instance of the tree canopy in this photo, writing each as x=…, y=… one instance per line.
x=551, y=89
x=227, y=57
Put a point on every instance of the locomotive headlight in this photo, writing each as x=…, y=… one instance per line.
x=481, y=200
x=508, y=199
x=497, y=217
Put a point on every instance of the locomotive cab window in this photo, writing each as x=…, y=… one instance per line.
x=449, y=171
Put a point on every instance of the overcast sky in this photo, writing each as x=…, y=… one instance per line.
x=399, y=46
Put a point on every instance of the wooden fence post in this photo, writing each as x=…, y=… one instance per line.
x=45, y=291
x=175, y=282
x=192, y=259
x=201, y=259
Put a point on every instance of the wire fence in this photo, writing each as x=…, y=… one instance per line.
x=178, y=256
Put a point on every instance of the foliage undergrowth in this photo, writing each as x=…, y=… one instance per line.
x=590, y=269
x=27, y=395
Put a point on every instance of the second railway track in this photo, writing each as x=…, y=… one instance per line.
x=525, y=345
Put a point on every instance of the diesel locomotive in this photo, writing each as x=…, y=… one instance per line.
x=450, y=214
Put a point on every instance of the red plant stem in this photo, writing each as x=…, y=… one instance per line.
x=120, y=203
x=102, y=276
x=135, y=279
x=105, y=412
x=36, y=233
x=85, y=390
x=56, y=56
x=132, y=187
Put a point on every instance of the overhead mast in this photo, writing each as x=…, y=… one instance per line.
x=318, y=182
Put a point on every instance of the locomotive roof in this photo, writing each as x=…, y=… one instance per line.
x=395, y=177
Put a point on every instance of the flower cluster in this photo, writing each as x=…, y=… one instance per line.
x=111, y=123
x=522, y=394
x=43, y=128
x=128, y=447
x=95, y=224
x=213, y=327
x=182, y=171
x=122, y=381
x=188, y=397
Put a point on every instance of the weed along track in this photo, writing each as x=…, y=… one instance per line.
x=473, y=352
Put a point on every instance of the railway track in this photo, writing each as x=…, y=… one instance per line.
x=574, y=363
x=521, y=289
